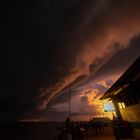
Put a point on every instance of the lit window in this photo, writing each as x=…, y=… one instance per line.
x=121, y=105
x=108, y=107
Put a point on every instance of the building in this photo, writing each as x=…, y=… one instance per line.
x=125, y=95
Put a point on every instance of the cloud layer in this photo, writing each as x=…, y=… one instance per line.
x=51, y=44
x=109, y=27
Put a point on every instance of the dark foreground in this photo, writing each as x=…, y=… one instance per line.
x=28, y=131
x=48, y=131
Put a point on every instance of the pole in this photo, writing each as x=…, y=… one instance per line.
x=69, y=104
x=118, y=113
x=69, y=134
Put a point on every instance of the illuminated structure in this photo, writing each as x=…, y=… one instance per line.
x=125, y=95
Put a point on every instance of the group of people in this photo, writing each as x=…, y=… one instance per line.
x=71, y=130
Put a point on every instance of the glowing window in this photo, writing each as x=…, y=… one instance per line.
x=108, y=107
x=121, y=105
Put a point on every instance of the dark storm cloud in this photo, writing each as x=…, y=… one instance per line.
x=48, y=44
x=117, y=63
x=35, y=53
x=112, y=29
x=63, y=97
x=122, y=59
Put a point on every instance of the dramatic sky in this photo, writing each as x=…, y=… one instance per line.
x=48, y=45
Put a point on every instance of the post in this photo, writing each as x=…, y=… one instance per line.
x=69, y=104
x=69, y=133
x=114, y=101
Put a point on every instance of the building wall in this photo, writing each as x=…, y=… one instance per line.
x=131, y=113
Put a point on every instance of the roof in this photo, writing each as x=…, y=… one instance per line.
x=128, y=76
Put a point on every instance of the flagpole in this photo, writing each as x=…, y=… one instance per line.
x=70, y=135
x=69, y=104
